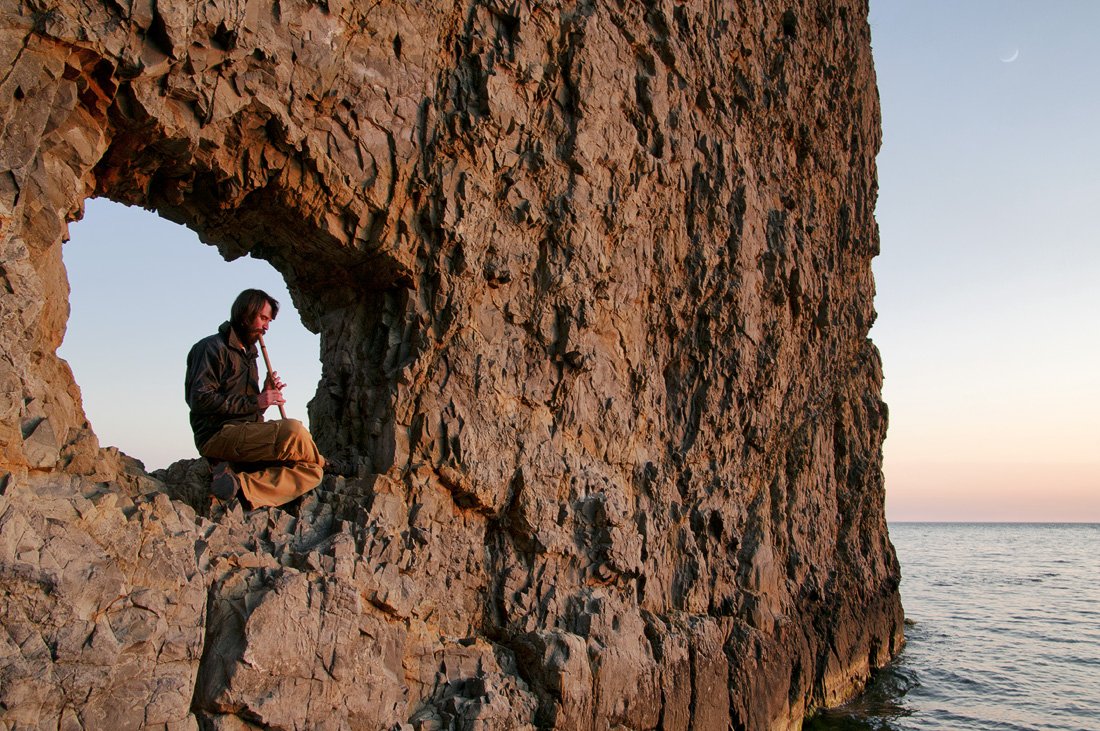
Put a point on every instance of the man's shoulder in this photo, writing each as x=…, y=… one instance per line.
x=210, y=343
x=215, y=339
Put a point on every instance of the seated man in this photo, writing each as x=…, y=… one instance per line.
x=278, y=460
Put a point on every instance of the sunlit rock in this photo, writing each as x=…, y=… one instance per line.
x=593, y=286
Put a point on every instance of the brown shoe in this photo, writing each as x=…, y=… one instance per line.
x=224, y=483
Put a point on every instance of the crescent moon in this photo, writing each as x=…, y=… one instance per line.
x=1015, y=55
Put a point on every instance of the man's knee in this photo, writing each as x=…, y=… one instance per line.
x=294, y=430
x=297, y=443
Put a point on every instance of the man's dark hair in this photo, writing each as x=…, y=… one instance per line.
x=248, y=304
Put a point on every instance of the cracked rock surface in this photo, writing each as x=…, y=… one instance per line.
x=593, y=284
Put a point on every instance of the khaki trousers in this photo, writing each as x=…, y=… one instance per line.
x=284, y=441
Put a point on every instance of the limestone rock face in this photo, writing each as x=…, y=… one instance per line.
x=593, y=286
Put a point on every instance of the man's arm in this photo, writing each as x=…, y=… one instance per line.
x=205, y=373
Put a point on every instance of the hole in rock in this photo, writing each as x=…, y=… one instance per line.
x=143, y=291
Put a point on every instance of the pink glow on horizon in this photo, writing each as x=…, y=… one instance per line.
x=993, y=492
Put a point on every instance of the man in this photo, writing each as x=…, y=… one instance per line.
x=277, y=460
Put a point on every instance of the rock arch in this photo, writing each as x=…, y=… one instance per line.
x=593, y=286
x=245, y=182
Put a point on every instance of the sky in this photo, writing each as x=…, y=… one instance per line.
x=987, y=280
x=986, y=284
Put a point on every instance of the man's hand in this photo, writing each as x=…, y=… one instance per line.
x=270, y=397
x=273, y=382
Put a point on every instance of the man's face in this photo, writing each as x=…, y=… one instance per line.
x=259, y=324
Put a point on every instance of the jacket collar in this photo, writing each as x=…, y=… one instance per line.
x=230, y=336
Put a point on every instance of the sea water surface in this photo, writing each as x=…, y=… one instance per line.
x=1003, y=632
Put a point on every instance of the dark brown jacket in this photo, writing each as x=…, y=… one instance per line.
x=222, y=384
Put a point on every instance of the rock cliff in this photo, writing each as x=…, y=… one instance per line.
x=593, y=287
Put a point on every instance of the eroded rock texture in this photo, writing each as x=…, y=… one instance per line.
x=593, y=286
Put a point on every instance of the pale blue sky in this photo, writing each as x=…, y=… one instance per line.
x=987, y=293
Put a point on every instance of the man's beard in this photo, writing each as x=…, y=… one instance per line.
x=247, y=335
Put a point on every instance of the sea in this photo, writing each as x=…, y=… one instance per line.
x=1002, y=629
